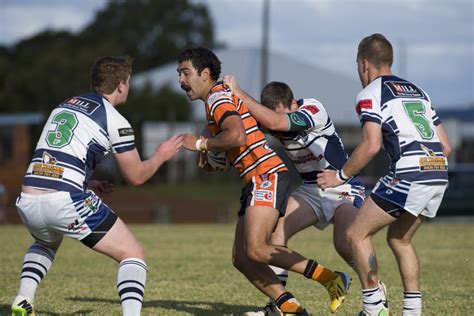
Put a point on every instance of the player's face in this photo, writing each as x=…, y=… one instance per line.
x=363, y=72
x=190, y=81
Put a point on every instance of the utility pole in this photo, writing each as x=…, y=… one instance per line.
x=265, y=38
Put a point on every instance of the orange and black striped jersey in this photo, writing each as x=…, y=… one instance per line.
x=256, y=157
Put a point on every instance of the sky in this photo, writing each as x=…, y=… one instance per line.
x=433, y=39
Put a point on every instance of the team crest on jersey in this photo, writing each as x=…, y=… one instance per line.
x=266, y=184
x=81, y=104
x=403, y=89
x=48, y=167
x=264, y=195
x=266, y=147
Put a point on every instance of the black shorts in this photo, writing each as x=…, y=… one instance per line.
x=271, y=190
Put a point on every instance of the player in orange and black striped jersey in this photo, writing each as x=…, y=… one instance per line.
x=265, y=177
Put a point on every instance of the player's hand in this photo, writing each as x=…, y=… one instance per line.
x=202, y=162
x=327, y=179
x=189, y=141
x=231, y=82
x=100, y=188
x=170, y=147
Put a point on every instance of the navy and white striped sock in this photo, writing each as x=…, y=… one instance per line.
x=282, y=274
x=372, y=300
x=411, y=303
x=131, y=285
x=37, y=261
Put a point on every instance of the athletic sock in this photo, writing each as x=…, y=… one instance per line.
x=411, y=303
x=287, y=303
x=37, y=261
x=282, y=274
x=372, y=300
x=318, y=272
x=131, y=285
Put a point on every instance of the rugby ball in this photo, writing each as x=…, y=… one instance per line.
x=218, y=160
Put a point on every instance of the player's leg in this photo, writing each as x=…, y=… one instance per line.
x=258, y=225
x=343, y=217
x=39, y=256
x=299, y=216
x=399, y=238
x=120, y=244
x=369, y=220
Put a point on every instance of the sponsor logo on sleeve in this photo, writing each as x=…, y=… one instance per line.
x=364, y=104
x=127, y=131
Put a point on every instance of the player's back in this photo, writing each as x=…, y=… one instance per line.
x=77, y=135
x=256, y=157
x=408, y=123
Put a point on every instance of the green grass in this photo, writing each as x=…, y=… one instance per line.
x=190, y=273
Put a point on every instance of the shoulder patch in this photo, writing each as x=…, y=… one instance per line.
x=363, y=104
x=311, y=108
x=219, y=95
x=127, y=131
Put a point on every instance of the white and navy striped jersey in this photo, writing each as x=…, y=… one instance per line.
x=408, y=123
x=77, y=135
x=312, y=144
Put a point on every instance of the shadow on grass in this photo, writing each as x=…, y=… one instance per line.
x=6, y=310
x=198, y=308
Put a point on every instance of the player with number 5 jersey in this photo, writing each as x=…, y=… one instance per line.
x=397, y=114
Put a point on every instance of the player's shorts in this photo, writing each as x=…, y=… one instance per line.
x=325, y=203
x=271, y=190
x=81, y=216
x=417, y=199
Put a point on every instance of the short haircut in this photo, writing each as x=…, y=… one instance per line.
x=108, y=72
x=275, y=93
x=377, y=50
x=201, y=58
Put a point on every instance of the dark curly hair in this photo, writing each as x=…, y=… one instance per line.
x=201, y=58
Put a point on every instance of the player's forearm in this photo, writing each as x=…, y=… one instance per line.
x=145, y=170
x=361, y=156
x=268, y=118
x=226, y=140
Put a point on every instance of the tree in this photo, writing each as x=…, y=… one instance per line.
x=40, y=72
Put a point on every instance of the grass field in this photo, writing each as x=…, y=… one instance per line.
x=190, y=273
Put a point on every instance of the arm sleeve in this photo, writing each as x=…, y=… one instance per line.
x=121, y=135
x=221, y=106
x=368, y=108
x=308, y=116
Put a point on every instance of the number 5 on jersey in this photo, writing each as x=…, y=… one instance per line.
x=61, y=136
x=416, y=111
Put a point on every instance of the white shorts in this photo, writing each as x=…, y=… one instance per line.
x=50, y=216
x=417, y=199
x=325, y=203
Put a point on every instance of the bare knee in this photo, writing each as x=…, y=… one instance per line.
x=256, y=253
x=397, y=243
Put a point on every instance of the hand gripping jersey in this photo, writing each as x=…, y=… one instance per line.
x=312, y=143
x=256, y=157
x=77, y=135
x=408, y=123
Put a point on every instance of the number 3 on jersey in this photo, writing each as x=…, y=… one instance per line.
x=61, y=136
x=416, y=111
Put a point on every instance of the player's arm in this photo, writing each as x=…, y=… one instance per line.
x=266, y=117
x=137, y=171
x=443, y=138
x=232, y=135
x=364, y=152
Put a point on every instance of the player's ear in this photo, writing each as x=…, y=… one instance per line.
x=205, y=74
